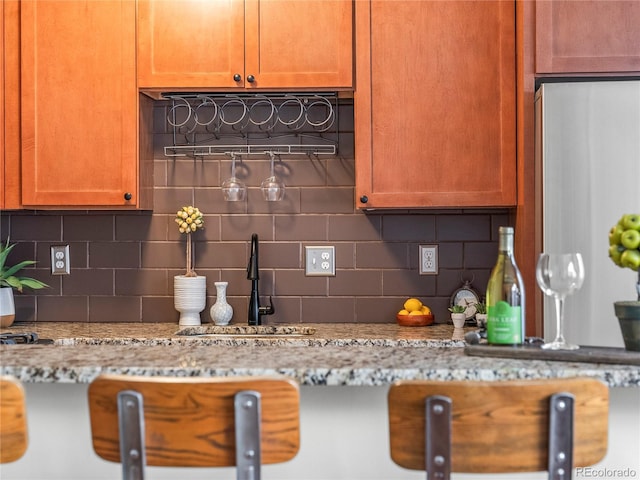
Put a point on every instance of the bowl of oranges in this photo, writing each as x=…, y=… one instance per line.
x=414, y=314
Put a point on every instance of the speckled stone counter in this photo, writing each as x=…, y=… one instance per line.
x=336, y=354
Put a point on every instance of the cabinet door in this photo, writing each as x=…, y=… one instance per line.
x=190, y=43
x=290, y=43
x=208, y=44
x=589, y=36
x=435, y=104
x=79, y=103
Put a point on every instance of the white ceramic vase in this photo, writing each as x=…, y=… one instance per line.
x=7, y=307
x=221, y=312
x=189, y=298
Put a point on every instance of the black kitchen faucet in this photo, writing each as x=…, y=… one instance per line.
x=253, y=273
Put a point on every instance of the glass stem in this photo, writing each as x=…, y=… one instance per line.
x=638, y=286
x=559, y=301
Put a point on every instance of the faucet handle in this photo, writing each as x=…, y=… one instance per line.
x=267, y=310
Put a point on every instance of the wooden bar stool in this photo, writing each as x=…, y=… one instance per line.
x=13, y=420
x=194, y=422
x=498, y=427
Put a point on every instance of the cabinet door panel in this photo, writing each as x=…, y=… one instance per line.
x=300, y=44
x=435, y=104
x=588, y=36
x=79, y=103
x=190, y=43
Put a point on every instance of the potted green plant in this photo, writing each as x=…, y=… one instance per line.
x=481, y=314
x=9, y=280
x=624, y=251
x=458, y=315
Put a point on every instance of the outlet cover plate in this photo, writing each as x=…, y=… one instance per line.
x=320, y=261
x=428, y=255
x=60, y=260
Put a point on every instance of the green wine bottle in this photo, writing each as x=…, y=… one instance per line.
x=505, y=296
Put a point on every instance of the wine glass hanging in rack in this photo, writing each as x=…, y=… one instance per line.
x=253, y=124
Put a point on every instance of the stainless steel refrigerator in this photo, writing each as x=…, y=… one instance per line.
x=588, y=145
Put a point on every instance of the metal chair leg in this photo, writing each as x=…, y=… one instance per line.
x=561, y=436
x=131, y=424
x=438, y=437
x=247, y=419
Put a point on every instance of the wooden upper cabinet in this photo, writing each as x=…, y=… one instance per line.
x=435, y=104
x=589, y=36
x=79, y=104
x=207, y=44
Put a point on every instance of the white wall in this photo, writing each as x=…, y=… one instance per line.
x=344, y=436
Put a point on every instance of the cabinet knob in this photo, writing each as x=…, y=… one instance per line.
x=128, y=196
x=237, y=77
x=251, y=79
x=364, y=199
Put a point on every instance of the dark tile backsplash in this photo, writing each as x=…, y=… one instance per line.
x=123, y=264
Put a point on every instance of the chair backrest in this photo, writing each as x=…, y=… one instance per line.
x=192, y=421
x=499, y=427
x=13, y=420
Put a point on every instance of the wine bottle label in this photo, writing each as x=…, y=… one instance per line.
x=503, y=324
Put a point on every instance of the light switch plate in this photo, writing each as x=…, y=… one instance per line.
x=320, y=261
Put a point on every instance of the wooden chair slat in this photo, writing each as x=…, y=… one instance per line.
x=498, y=427
x=13, y=420
x=190, y=421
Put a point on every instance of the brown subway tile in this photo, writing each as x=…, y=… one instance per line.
x=141, y=227
x=77, y=253
x=165, y=255
x=301, y=227
x=65, y=308
x=239, y=285
x=289, y=205
x=114, y=254
x=377, y=309
x=25, y=306
x=355, y=283
x=382, y=255
x=189, y=172
x=480, y=254
x=169, y=200
x=341, y=171
x=280, y=255
x=357, y=227
x=159, y=310
x=408, y=284
x=211, y=201
x=449, y=255
x=159, y=172
x=328, y=310
x=142, y=282
x=95, y=281
x=412, y=228
x=307, y=172
x=327, y=200
x=463, y=227
x=114, y=309
x=287, y=310
x=221, y=255
x=36, y=227
x=97, y=227
x=241, y=227
x=295, y=283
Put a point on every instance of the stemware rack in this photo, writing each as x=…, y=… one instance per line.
x=243, y=124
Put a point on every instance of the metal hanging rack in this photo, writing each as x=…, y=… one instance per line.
x=206, y=124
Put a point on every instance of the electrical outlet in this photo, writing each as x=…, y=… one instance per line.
x=428, y=255
x=320, y=261
x=60, y=260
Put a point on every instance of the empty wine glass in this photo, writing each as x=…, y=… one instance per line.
x=559, y=275
x=272, y=188
x=233, y=190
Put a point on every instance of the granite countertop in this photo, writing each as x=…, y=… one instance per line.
x=334, y=355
